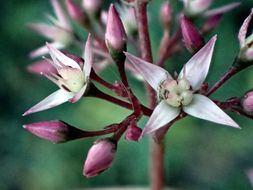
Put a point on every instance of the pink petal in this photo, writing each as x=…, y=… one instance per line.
x=53, y=100
x=59, y=58
x=41, y=67
x=88, y=57
x=153, y=74
x=50, y=32
x=44, y=50
x=244, y=28
x=63, y=21
x=222, y=10
x=162, y=115
x=249, y=53
x=78, y=95
x=203, y=108
x=196, y=69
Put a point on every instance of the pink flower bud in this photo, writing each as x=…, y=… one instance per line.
x=165, y=14
x=55, y=131
x=75, y=11
x=193, y=41
x=115, y=36
x=133, y=133
x=247, y=102
x=100, y=157
x=92, y=6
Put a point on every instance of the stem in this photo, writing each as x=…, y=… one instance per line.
x=157, y=150
x=231, y=72
x=99, y=94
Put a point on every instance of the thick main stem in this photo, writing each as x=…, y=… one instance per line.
x=157, y=150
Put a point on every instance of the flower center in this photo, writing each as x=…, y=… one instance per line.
x=72, y=79
x=176, y=92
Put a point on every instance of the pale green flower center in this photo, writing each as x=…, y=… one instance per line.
x=72, y=79
x=176, y=92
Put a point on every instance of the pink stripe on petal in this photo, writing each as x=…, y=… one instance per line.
x=244, y=28
x=153, y=74
x=53, y=100
x=196, y=69
x=162, y=115
x=221, y=10
x=88, y=56
x=203, y=108
x=63, y=59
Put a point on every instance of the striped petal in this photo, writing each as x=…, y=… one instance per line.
x=88, y=57
x=162, y=115
x=53, y=100
x=196, y=69
x=203, y=108
x=153, y=74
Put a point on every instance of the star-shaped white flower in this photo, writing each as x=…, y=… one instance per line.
x=60, y=32
x=181, y=94
x=72, y=78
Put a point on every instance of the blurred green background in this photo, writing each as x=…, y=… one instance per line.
x=199, y=154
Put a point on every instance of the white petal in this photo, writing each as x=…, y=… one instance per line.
x=79, y=94
x=45, y=30
x=59, y=58
x=203, y=108
x=87, y=57
x=63, y=21
x=162, y=115
x=244, y=28
x=53, y=100
x=221, y=10
x=196, y=69
x=153, y=74
x=44, y=50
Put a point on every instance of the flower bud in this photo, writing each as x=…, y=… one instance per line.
x=247, y=102
x=76, y=12
x=55, y=131
x=115, y=36
x=193, y=41
x=93, y=7
x=195, y=7
x=100, y=157
x=165, y=15
x=133, y=133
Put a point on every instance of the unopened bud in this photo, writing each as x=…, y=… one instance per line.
x=115, y=36
x=76, y=12
x=133, y=133
x=193, y=41
x=55, y=131
x=247, y=102
x=93, y=7
x=195, y=7
x=100, y=157
x=165, y=15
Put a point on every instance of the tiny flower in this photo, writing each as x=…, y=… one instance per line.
x=60, y=32
x=181, y=94
x=93, y=7
x=166, y=14
x=55, y=131
x=72, y=78
x=100, y=157
x=115, y=36
x=246, y=47
x=193, y=40
x=196, y=7
x=247, y=102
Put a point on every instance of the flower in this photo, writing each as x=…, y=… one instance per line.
x=181, y=94
x=60, y=32
x=246, y=48
x=100, y=157
x=72, y=78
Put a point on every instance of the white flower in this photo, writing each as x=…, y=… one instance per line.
x=181, y=94
x=72, y=78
